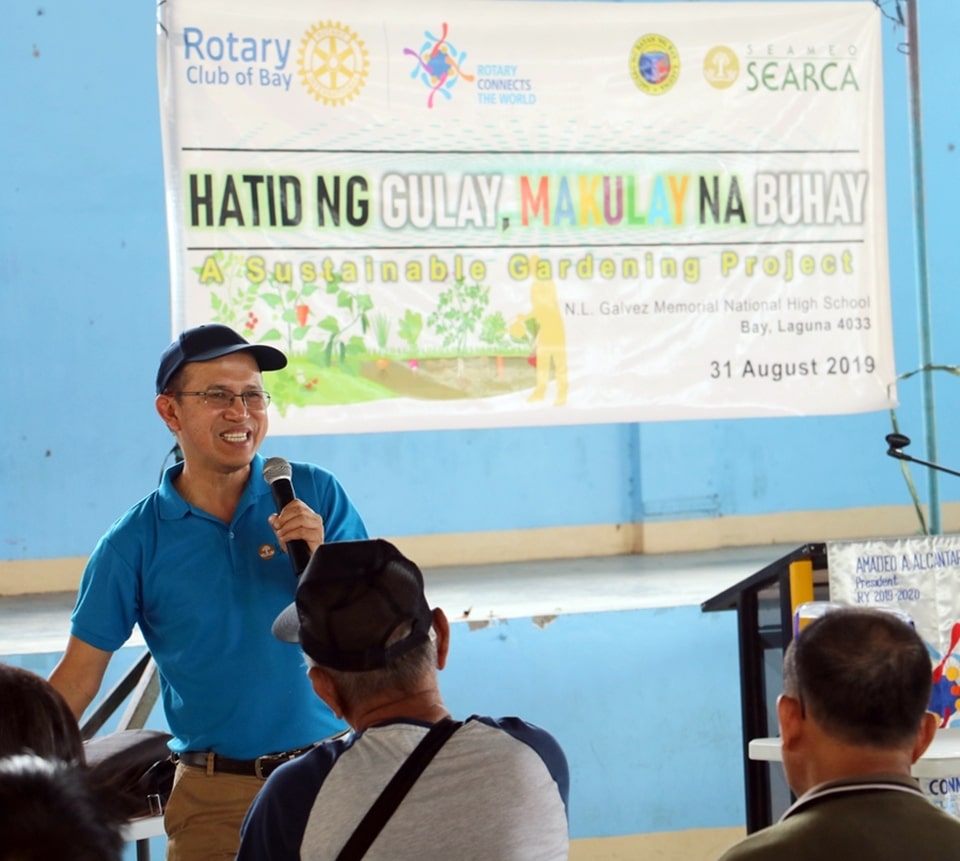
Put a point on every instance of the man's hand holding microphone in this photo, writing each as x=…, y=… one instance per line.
x=299, y=528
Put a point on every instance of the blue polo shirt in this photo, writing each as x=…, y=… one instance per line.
x=205, y=594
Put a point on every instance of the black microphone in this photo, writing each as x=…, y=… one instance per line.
x=897, y=442
x=278, y=474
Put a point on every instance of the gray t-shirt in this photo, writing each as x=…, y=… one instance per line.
x=496, y=791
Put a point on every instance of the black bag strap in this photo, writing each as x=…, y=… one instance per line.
x=393, y=793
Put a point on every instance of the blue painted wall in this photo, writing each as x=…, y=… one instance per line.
x=83, y=281
x=639, y=763
x=83, y=284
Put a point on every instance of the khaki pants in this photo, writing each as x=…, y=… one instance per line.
x=204, y=814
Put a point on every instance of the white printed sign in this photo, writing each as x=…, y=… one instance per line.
x=530, y=213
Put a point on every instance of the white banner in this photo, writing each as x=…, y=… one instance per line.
x=516, y=213
x=921, y=577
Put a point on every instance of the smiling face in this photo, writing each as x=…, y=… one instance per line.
x=220, y=440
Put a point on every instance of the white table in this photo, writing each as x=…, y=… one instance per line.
x=143, y=828
x=140, y=831
x=942, y=758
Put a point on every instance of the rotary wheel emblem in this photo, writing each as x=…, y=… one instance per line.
x=333, y=63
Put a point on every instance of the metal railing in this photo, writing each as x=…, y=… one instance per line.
x=141, y=686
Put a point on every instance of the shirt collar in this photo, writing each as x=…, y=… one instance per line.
x=848, y=785
x=172, y=506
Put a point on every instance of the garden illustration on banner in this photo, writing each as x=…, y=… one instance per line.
x=344, y=348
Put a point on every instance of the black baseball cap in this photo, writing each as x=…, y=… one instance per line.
x=211, y=341
x=352, y=596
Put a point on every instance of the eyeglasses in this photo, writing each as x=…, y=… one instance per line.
x=222, y=399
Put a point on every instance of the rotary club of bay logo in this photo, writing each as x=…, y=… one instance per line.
x=654, y=64
x=333, y=63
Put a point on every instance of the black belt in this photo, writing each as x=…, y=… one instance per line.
x=260, y=767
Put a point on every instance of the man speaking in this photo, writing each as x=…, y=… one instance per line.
x=199, y=565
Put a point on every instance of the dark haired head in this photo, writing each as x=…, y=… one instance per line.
x=48, y=810
x=35, y=718
x=863, y=675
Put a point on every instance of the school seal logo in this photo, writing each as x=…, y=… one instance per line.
x=654, y=64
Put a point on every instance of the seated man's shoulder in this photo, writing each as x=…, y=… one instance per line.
x=520, y=730
x=515, y=737
x=513, y=726
x=791, y=840
x=759, y=847
x=312, y=768
x=879, y=826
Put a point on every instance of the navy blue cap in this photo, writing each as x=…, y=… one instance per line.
x=211, y=341
x=352, y=598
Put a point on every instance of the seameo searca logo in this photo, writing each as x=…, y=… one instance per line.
x=804, y=68
x=721, y=67
x=333, y=63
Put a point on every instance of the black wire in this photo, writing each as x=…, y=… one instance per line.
x=897, y=15
x=177, y=453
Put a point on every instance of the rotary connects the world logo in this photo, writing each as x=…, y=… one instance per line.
x=333, y=62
